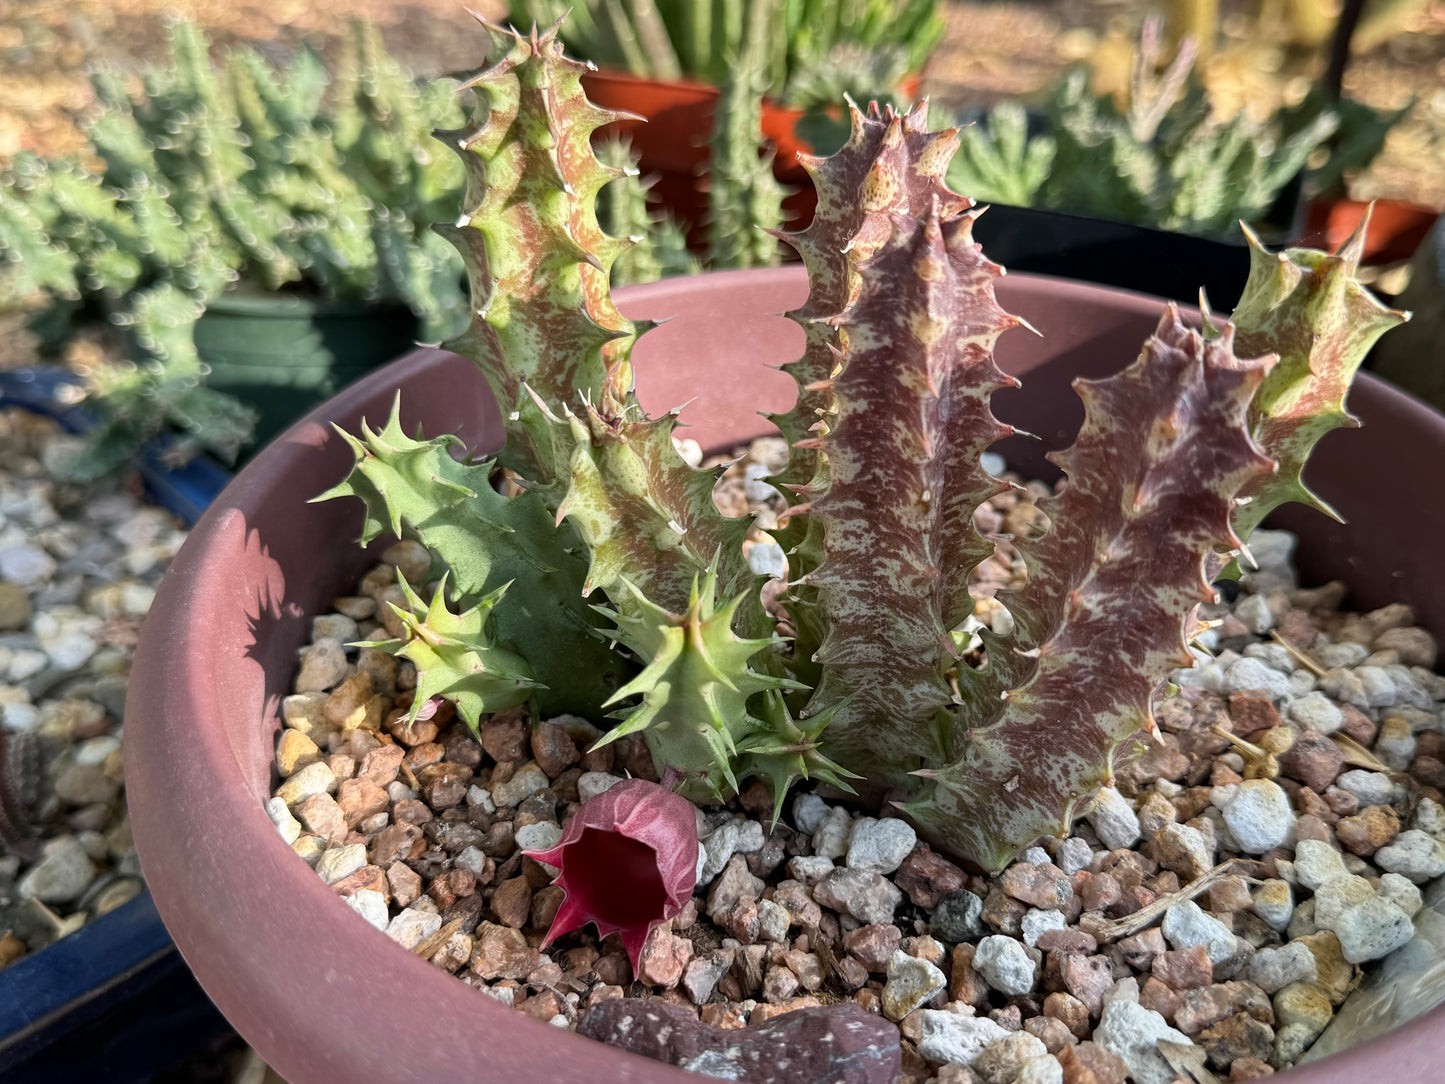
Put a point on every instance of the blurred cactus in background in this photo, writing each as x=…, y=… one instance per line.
x=275, y=176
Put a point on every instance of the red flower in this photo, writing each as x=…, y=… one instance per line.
x=629, y=862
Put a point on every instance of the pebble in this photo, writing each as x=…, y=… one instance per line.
x=1272, y=969
x=879, y=846
x=412, y=926
x=1133, y=1033
x=1114, y=820
x=1186, y=925
x=370, y=905
x=1414, y=855
x=1259, y=816
x=958, y=917
x=950, y=1037
x=911, y=983
x=538, y=836
x=1253, y=675
x=1315, y=712
x=1002, y=1060
x=526, y=781
x=1316, y=862
x=1371, y=930
x=62, y=874
x=868, y=897
x=1005, y=965
x=1037, y=922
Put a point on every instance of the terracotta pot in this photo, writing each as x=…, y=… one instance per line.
x=1396, y=227
x=672, y=140
x=325, y=997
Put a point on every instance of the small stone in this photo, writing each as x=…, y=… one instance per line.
x=1089, y=1063
x=538, y=836
x=873, y=945
x=281, y=817
x=1369, y=830
x=1337, y=895
x=1259, y=815
x=1238, y=1037
x=1114, y=820
x=370, y=905
x=1315, y=712
x=1303, y=1004
x=1042, y=886
x=808, y=813
x=62, y=874
x=591, y=784
x=294, y=750
x=911, y=983
x=339, y=862
x=1313, y=760
x=773, y=922
x=1413, y=855
x=1186, y=925
x=1371, y=930
x=1038, y=922
x=1003, y=1060
x=927, y=877
x=321, y=814
x=949, y=1037
x=664, y=958
x=1088, y=978
x=868, y=897
x=502, y=953
x=1184, y=969
x=1402, y=892
x=1074, y=855
x=1371, y=788
x=831, y=837
x=1316, y=862
x=958, y=918
x=412, y=926
x=1005, y=965
x=512, y=902
x=1253, y=675
x=701, y=976
x=1181, y=848
x=323, y=665
x=553, y=748
x=1272, y=969
x=1133, y=1033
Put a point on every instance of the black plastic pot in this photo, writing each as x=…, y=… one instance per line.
x=282, y=354
x=113, y=1002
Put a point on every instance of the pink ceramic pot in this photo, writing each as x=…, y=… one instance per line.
x=325, y=997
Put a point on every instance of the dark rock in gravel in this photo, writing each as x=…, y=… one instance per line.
x=837, y=1044
x=958, y=917
x=927, y=877
x=1239, y=1036
x=1313, y=759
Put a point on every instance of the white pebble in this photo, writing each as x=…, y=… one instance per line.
x=1316, y=712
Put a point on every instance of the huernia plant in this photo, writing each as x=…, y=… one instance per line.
x=1177, y=456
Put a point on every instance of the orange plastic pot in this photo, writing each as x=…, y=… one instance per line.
x=1396, y=227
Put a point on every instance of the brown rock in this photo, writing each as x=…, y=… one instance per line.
x=1100, y=892
x=1313, y=759
x=512, y=902
x=353, y=704
x=361, y=798
x=1231, y=894
x=1004, y=913
x=1341, y=802
x=1235, y=1037
x=321, y=814
x=368, y=878
x=445, y=784
x=543, y=1006
x=1140, y=950
x=1070, y=1010
x=927, y=877
x=664, y=958
x=723, y=1015
x=546, y=902
x=553, y=749
x=1088, y=1063
x=779, y=984
x=504, y=736
x=502, y=953
x=1067, y=940
x=394, y=843
x=964, y=983
x=1054, y=1034
x=741, y=920
x=1368, y=830
x=410, y=811
x=451, y=886
x=1184, y=969
x=799, y=903
x=1251, y=711
x=1041, y=885
x=1159, y=997
x=1088, y=978
x=1358, y=725
x=381, y=765
x=404, y=882
x=1250, y=1069
x=873, y=945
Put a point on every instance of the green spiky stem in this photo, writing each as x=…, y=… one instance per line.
x=456, y=656
x=417, y=488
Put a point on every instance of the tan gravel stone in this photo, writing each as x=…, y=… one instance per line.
x=664, y=958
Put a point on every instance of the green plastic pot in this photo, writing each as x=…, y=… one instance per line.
x=283, y=355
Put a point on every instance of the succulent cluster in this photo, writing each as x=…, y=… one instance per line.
x=1165, y=160
x=616, y=587
x=277, y=176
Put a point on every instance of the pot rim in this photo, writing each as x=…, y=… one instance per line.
x=173, y=690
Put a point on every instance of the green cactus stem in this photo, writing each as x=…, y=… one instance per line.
x=1310, y=309
x=1108, y=605
x=417, y=488
x=456, y=657
x=537, y=260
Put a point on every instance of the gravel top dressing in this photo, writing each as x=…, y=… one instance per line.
x=1205, y=921
x=78, y=570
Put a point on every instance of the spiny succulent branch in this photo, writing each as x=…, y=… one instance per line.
x=913, y=421
x=1310, y=309
x=537, y=260
x=695, y=686
x=1110, y=597
x=417, y=488
x=456, y=656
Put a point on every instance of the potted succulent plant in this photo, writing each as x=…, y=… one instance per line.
x=899, y=321
x=260, y=234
